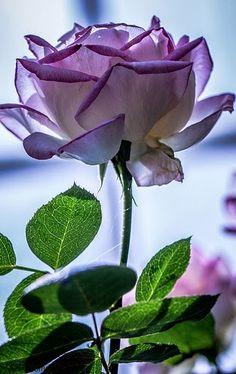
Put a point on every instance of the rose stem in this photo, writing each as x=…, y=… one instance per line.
x=99, y=345
x=24, y=268
x=126, y=180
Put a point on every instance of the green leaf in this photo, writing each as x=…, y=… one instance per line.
x=102, y=171
x=163, y=270
x=18, y=320
x=7, y=255
x=80, y=292
x=77, y=362
x=189, y=337
x=31, y=351
x=62, y=229
x=154, y=316
x=144, y=353
x=95, y=290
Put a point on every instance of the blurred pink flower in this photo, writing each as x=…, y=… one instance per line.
x=209, y=276
x=109, y=82
x=230, y=207
x=205, y=276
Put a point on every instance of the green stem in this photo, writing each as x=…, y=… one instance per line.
x=126, y=180
x=99, y=345
x=127, y=215
x=24, y=268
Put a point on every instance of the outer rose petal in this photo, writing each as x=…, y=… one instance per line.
x=183, y=40
x=38, y=46
x=42, y=146
x=69, y=36
x=99, y=145
x=89, y=59
x=22, y=120
x=155, y=168
x=176, y=118
x=95, y=147
x=155, y=22
x=212, y=108
x=136, y=90
x=197, y=52
x=61, y=92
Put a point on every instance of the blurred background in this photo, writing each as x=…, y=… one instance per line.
x=163, y=214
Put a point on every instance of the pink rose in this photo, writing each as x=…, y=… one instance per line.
x=204, y=276
x=106, y=83
x=211, y=276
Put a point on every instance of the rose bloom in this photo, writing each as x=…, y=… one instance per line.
x=111, y=82
x=205, y=276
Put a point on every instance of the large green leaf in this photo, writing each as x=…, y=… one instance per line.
x=31, y=351
x=144, y=353
x=7, y=255
x=82, y=361
x=163, y=270
x=189, y=337
x=18, y=320
x=80, y=292
x=154, y=316
x=62, y=229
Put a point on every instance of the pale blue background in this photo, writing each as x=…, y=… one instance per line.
x=162, y=214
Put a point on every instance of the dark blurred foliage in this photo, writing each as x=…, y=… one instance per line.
x=92, y=9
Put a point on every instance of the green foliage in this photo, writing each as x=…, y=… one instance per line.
x=145, y=353
x=189, y=337
x=42, y=296
x=18, y=320
x=154, y=316
x=62, y=229
x=7, y=255
x=80, y=292
x=38, y=313
x=31, y=351
x=163, y=270
x=102, y=171
x=82, y=361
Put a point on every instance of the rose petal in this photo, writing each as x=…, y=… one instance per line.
x=22, y=120
x=176, y=118
x=212, y=104
x=49, y=73
x=135, y=89
x=116, y=37
x=95, y=147
x=99, y=145
x=212, y=109
x=24, y=83
x=155, y=167
x=155, y=22
x=110, y=52
x=90, y=59
x=142, y=47
x=60, y=99
x=131, y=31
x=69, y=36
x=30, y=92
x=38, y=46
x=42, y=146
x=197, y=52
x=183, y=40
x=60, y=55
